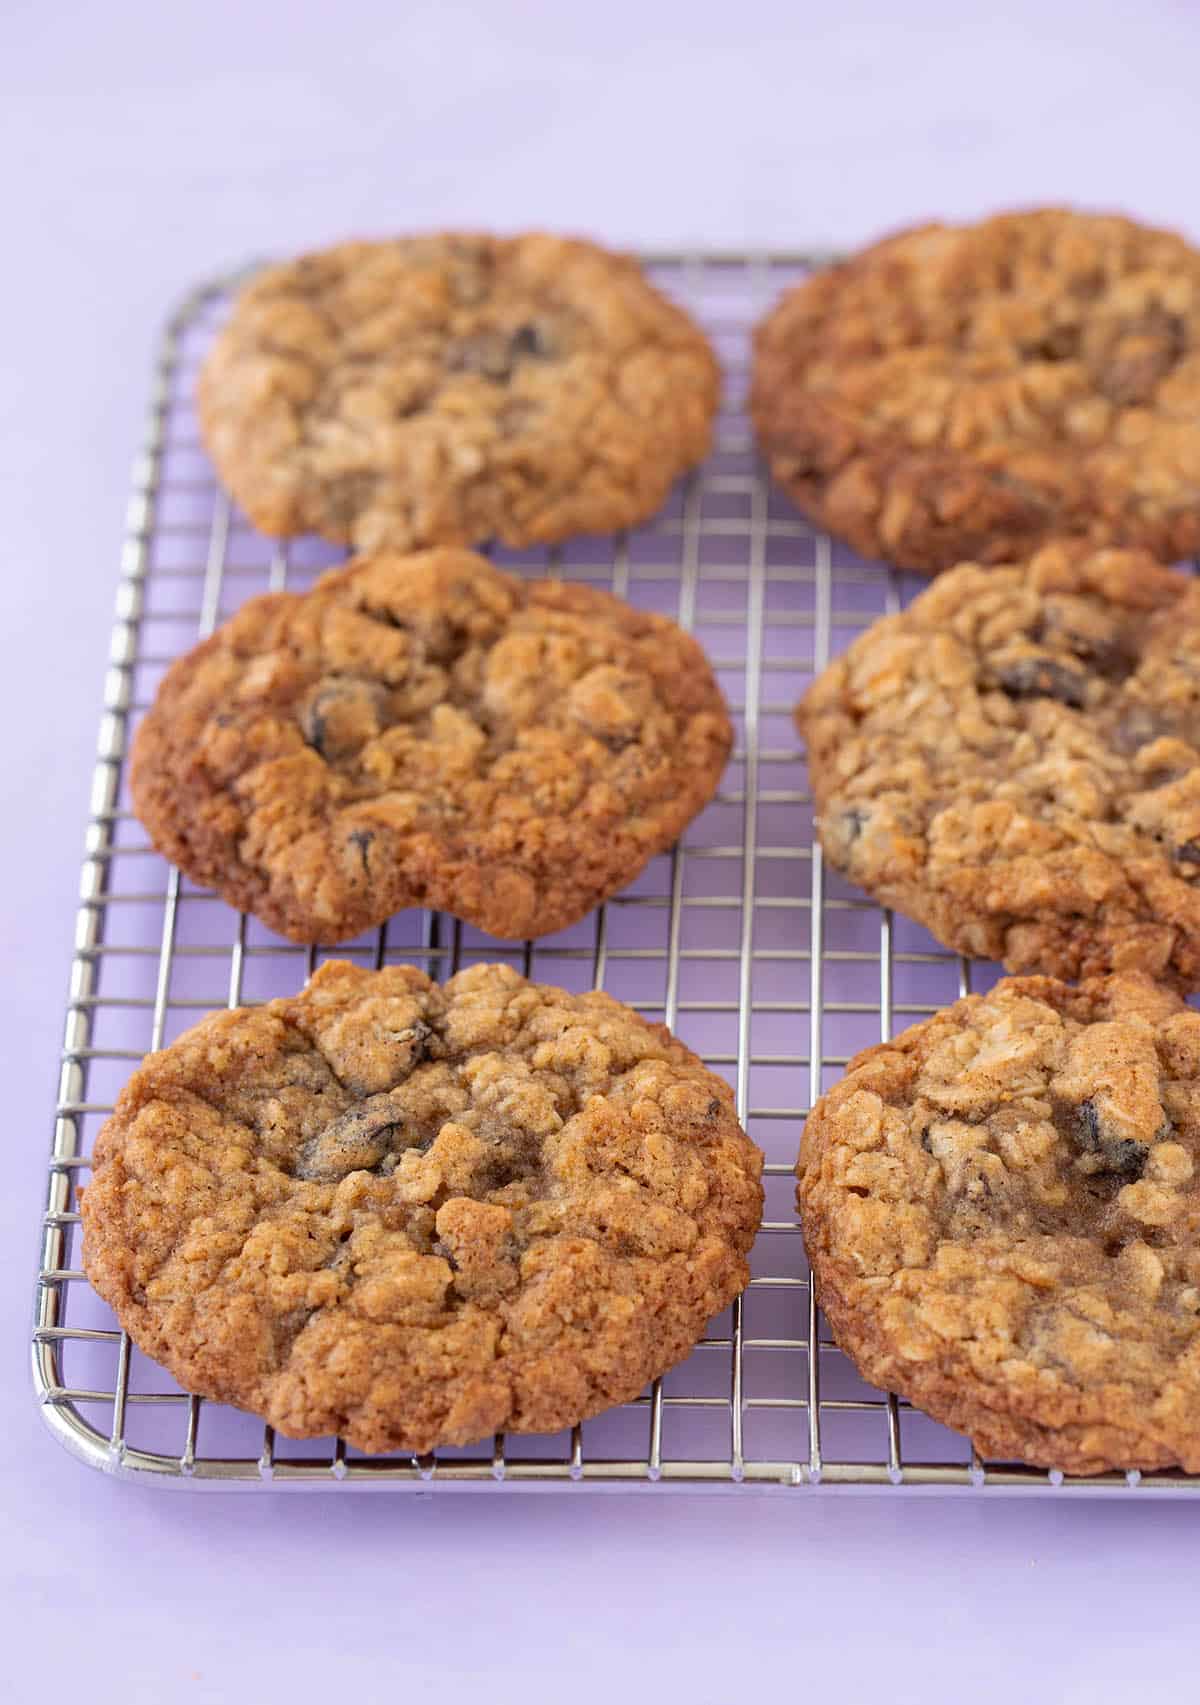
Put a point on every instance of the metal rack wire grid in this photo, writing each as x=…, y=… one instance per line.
x=766, y=963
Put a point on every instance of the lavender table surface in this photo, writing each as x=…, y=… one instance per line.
x=148, y=146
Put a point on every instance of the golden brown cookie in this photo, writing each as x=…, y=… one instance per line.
x=1014, y=761
x=973, y=391
x=1002, y=1212
x=452, y=389
x=429, y=731
x=416, y=1215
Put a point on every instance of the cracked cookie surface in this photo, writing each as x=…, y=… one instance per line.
x=453, y=389
x=416, y=1215
x=1002, y=1212
x=429, y=730
x=1014, y=761
x=974, y=391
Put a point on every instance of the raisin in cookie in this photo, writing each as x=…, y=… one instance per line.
x=415, y=1215
x=429, y=731
x=1014, y=761
x=452, y=389
x=1002, y=1212
x=974, y=391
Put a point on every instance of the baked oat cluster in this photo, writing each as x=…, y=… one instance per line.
x=447, y=390
x=969, y=392
x=416, y=1215
x=1002, y=1211
x=1014, y=761
x=429, y=730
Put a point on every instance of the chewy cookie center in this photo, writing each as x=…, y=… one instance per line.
x=474, y=1127
x=430, y=327
x=1036, y=334
x=395, y=692
x=1075, y=651
x=1120, y=353
x=496, y=353
x=1053, y=1131
x=475, y=701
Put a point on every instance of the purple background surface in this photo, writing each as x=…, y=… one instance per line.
x=149, y=145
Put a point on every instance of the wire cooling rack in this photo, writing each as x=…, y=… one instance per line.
x=764, y=962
